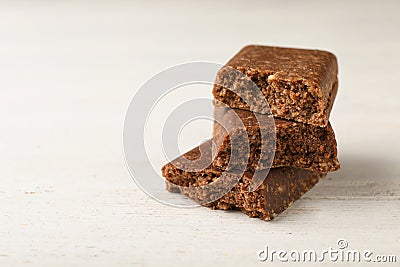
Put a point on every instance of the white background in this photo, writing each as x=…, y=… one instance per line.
x=68, y=70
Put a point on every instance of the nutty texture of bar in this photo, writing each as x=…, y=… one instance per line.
x=298, y=84
x=281, y=187
x=297, y=144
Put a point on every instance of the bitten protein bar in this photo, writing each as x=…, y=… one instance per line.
x=297, y=144
x=298, y=84
x=281, y=187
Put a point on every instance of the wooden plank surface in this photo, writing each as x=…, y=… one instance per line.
x=68, y=72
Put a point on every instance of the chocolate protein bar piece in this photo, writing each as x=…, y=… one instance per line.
x=297, y=144
x=298, y=84
x=281, y=187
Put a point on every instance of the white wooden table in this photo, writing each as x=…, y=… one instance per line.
x=67, y=73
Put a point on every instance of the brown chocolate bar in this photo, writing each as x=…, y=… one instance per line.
x=298, y=84
x=281, y=187
x=297, y=144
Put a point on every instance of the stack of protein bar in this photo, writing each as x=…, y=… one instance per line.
x=299, y=87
